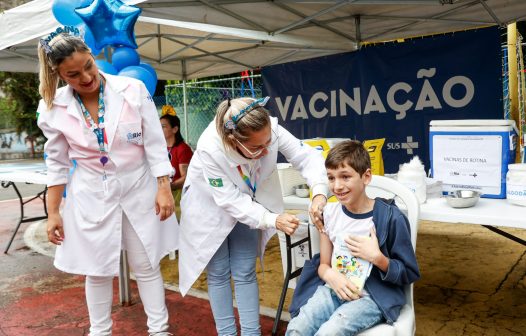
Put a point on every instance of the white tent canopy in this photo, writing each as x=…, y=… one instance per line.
x=193, y=39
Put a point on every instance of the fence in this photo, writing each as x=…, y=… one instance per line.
x=196, y=101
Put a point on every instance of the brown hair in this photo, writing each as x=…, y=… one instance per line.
x=351, y=153
x=60, y=48
x=254, y=120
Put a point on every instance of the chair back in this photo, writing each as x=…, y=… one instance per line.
x=406, y=200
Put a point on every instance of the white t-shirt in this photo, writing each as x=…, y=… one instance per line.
x=341, y=223
x=338, y=221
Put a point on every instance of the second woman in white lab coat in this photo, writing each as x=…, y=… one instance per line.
x=232, y=205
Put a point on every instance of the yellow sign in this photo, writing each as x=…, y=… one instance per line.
x=374, y=147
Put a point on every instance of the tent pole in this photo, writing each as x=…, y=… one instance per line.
x=185, y=108
x=358, y=32
x=513, y=88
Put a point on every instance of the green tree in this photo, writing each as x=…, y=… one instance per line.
x=21, y=101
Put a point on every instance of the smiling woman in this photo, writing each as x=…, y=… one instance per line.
x=109, y=126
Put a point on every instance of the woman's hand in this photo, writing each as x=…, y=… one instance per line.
x=316, y=211
x=55, y=229
x=164, y=201
x=343, y=287
x=287, y=223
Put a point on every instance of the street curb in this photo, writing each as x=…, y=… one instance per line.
x=32, y=241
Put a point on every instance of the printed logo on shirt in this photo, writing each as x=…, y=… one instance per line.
x=134, y=137
x=217, y=182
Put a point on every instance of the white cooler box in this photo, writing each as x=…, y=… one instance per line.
x=472, y=154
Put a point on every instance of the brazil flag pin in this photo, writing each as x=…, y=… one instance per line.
x=217, y=182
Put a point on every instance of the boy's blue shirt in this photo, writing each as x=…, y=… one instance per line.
x=386, y=289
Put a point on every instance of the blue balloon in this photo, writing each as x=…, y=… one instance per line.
x=149, y=68
x=89, y=39
x=64, y=11
x=123, y=57
x=106, y=67
x=142, y=74
x=111, y=22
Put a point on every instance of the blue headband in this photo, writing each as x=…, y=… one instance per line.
x=70, y=30
x=260, y=102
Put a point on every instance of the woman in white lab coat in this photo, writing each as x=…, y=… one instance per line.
x=232, y=205
x=118, y=196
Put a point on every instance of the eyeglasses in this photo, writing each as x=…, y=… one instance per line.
x=256, y=152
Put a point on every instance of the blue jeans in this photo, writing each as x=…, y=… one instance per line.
x=326, y=314
x=235, y=258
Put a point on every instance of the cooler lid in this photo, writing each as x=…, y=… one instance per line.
x=517, y=166
x=473, y=122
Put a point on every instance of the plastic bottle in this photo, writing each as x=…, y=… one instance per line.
x=413, y=175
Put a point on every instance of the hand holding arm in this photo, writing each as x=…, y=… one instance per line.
x=316, y=211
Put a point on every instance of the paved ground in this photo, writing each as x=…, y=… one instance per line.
x=473, y=283
x=36, y=299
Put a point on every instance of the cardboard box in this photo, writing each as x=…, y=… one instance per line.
x=472, y=154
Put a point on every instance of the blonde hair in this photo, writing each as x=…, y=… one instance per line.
x=60, y=48
x=254, y=120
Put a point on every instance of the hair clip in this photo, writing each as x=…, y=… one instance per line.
x=70, y=30
x=260, y=102
x=45, y=45
x=230, y=125
x=168, y=109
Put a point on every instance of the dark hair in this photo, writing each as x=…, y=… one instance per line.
x=351, y=153
x=174, y=122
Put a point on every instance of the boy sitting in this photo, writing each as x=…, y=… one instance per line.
x=374, y=231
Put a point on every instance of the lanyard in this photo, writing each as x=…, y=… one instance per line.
x=97, y=129
x=247, y=180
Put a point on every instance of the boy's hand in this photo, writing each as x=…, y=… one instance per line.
x=343, y=287
x=316, y=211
x=365, y=247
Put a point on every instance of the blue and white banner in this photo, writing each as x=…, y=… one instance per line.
x=391, y=91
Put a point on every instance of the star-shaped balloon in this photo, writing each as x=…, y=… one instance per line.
x=111, y=22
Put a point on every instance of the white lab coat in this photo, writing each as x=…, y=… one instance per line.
x=92, y=217
x=210, y=213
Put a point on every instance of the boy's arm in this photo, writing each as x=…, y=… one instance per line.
x=403, y=267
x=343, y=287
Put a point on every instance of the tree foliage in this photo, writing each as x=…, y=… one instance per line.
x=21, y=100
